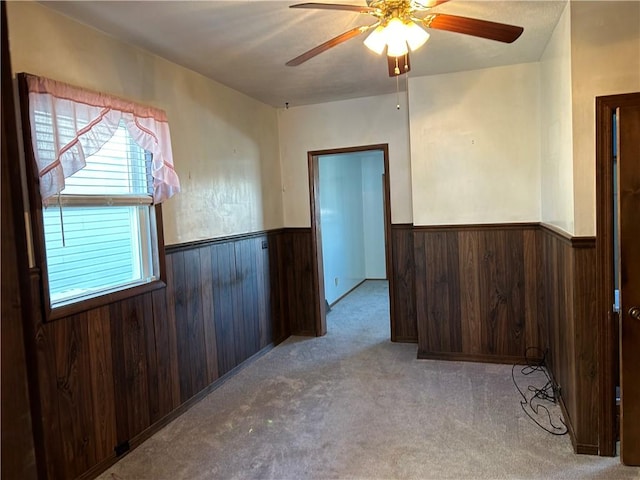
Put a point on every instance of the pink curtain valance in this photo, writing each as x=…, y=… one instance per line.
x=81, y=122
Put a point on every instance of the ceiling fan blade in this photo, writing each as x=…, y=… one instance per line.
x=404, y=65
x=354, y=32
x=500, y=32
x=335, y=6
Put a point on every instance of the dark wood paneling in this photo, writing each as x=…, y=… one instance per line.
x=73, y=381
x=102, y=381
x=208, y=314
x=18, y=449
x=224, y=306
x=281, y=326
x=191, y=328
x=570, y=322
x=131, y=365
x=115, y=373
x=472, y=300
x=402, y=285
x=488, y=292
x=296, y=280
x=44, y=347
x=167, y=338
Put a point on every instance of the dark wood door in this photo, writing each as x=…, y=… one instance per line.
x=629, y=188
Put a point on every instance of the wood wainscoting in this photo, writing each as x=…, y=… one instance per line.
x=109, y=377
x=488, y=292
x=402, y=285
x=571, y=330
x=477, y=290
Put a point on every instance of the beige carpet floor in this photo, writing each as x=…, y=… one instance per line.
x=354, y=405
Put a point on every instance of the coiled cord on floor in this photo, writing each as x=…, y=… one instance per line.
x=533, y=406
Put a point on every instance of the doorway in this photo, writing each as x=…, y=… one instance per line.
x=618, y=262
x=362, y=167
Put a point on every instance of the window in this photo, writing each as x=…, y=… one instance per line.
x=103, y=166
x=100, y=233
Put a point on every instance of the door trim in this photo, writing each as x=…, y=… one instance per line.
x=607, y=331
x=316, y=233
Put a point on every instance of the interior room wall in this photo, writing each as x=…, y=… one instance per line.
x=356, y=122
x=373, y=215
x=225, y=144
x=352, y=220
x=341, y=223
x=605, y=60
x=556, y=128
x=475, y=146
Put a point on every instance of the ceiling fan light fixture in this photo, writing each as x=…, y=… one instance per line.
x=376, y=41
x=396, y=38
x=416, y=36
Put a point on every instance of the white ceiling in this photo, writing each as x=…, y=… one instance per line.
x=245, y=44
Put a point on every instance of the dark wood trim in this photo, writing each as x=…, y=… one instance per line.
x=465, y=357
x=605, y=107
x=180, y=247
x=556, y=232
x=608, y=347
x=348, y=292
x=35, y=201
x=22, y=449
x=316, y=246
x=295, y=230
x=575, y=242
x=343, y=150
x=476, y=227
x=579, y=448
x=402, y=226
x=316, y=234
x=388, y=242
x=99, y=301
x=567, y=418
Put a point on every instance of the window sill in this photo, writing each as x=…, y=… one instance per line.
x=81, y=306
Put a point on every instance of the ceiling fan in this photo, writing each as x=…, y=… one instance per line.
x=399, y=27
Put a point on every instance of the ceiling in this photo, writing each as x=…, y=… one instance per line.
x=245, y=44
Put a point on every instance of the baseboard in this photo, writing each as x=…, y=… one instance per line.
x=466, y=357
x=579, y=448
x=405, y=339
x=304, y=333
x=347, y=292
x=184, y=407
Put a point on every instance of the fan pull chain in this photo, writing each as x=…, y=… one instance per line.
x=396, y=70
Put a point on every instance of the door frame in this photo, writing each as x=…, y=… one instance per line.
x=607, y=326
x=316, y=232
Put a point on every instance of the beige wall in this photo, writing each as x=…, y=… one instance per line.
x=349, y=123
x=507, y=144
x=475, y=146
x=605, y=60
x=225, y=144
x=556, y=128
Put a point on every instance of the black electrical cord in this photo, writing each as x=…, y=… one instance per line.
x=547, y=393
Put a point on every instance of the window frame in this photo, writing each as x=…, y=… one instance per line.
x=38, y=239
